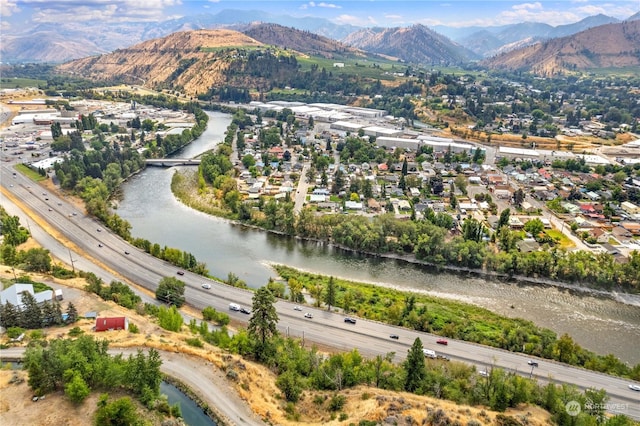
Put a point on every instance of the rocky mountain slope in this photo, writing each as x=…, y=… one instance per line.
x=298, y=40
x=416, y=44
x=612, y=45
x=192, y=60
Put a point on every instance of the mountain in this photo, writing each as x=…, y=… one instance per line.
x=192, y=60
x=611, y=45
x=300, y=41
x=415, y=44
x=80, y=38
x=489, y=41
x=634, y=17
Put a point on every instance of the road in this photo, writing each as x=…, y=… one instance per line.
x=370, y=338
x=207, y=381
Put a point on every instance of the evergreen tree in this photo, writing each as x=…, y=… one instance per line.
x=31, y=315
x=263, y=323
x=72, y=313
x=414, y=367
x=9, y=316
x=330, y=294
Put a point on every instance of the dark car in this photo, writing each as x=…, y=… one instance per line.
x=442, y=342
x=394, y=336
x=99, y=245
x=126, y=252
x=245, y=310
x=350, y=320
x=532, y=363
x=180, y=272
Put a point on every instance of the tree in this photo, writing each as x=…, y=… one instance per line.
x=119, y=412
x=76, y=388
x=31, y=315
x=518, y=197
x=330, y=294
x=504, y=218
x=72, y=313
x=171, y=291
x=263, y=323
x=534, y=227
x=414, y=367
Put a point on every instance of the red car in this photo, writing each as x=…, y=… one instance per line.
x=442, y=342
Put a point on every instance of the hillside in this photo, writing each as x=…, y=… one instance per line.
x=191, y=60
x=415, y=44
x=298, y=40
x=612, y=45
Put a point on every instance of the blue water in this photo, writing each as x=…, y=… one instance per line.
x=191, y=413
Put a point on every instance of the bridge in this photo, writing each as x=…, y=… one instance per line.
x=170, y=162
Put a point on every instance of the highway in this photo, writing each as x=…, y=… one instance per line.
x=326, y=328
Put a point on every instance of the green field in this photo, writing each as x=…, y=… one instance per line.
x=364, y=67
x=18, y=82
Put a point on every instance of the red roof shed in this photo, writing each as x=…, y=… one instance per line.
x=113, y=323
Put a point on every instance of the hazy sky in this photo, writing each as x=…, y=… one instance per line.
x=17, y=14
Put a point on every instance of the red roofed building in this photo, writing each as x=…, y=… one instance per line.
x=113, y=323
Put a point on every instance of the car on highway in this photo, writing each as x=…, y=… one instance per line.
x=180, y=272
x=308, y=315
x=350, y=320
x=442, y=342
x=394, y=336
x=245, y=310
x=206, y=286
x=532, y=363
x=634, y=388
x=483, y=373
x=126, y=252
x=50, y=209
x=99, y=230
x=234, y=306
x=99, y=244
x=297, y=308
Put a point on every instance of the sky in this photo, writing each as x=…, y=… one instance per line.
x=20, y=14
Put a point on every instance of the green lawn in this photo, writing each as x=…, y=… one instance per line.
x=18, y=82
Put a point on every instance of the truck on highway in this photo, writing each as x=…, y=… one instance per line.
x=234, y=306
x=429, y=353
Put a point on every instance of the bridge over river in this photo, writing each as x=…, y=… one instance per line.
x=170, y=162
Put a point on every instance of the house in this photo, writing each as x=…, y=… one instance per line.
x=13, y=295
x=528, y=245
x=629, y=207
x=112, y=323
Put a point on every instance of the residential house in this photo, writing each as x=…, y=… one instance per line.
x=14, y=293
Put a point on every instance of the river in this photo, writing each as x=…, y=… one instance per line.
x=156, y=215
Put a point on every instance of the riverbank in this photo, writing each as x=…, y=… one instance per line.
x=183, y=184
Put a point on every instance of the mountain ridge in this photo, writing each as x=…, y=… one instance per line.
x=76, y=39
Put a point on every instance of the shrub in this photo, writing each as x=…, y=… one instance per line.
x=75, y=331
x=133, y=328
x=337, y=402
x=195, y=342
x=14, y=332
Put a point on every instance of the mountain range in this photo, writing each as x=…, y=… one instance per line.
x=64, y=41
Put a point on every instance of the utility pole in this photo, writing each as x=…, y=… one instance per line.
x=72, y=260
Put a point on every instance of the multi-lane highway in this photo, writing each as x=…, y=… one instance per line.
x=89, y=239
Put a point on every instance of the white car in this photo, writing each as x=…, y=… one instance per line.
x=634, y=388
x=308, y=315
x=297, y=308
x=206, y=286
x=483, y=373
